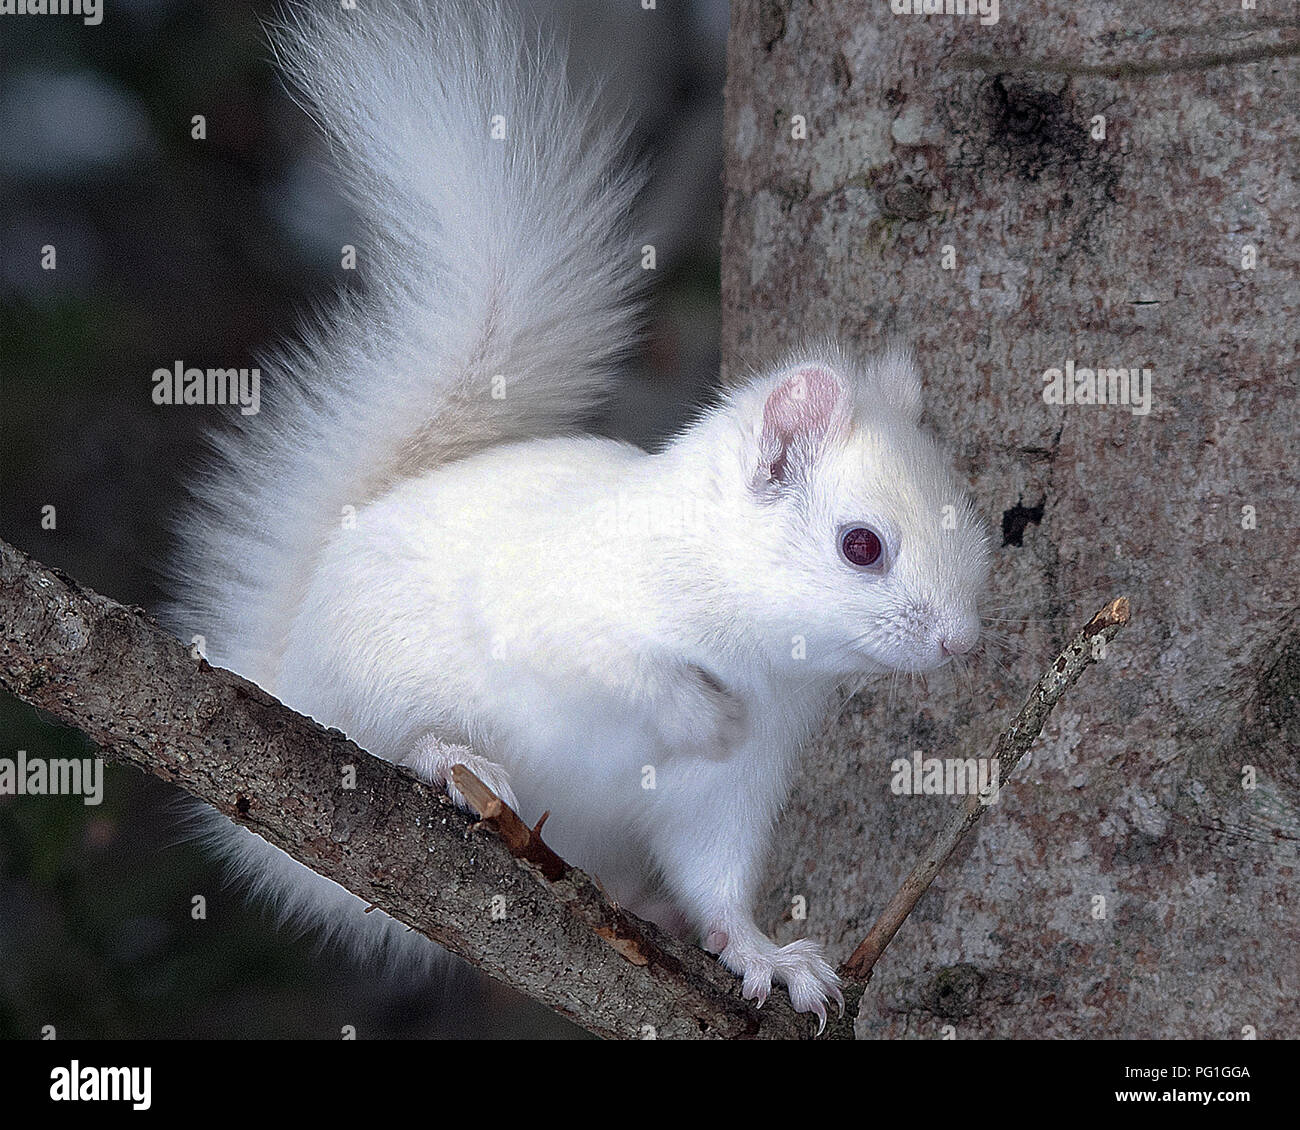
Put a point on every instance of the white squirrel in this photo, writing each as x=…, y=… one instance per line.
x=575, y=611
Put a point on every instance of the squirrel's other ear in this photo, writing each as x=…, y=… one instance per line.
x=807, y=408
x=895, y=379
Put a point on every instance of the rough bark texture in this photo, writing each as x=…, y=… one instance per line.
x=112, y=673
x=1123, y=251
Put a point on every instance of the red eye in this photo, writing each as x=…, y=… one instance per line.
x=861, y=546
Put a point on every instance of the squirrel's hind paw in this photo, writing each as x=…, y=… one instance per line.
x=800, y=966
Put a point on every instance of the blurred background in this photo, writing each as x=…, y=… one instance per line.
x=209, y=250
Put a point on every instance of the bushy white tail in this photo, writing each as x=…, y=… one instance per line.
x=498, y=295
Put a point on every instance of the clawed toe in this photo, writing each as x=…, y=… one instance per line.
x=800, y=966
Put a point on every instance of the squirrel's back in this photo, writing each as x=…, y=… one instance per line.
x=498, y=293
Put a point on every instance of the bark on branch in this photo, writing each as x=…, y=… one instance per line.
x=112, y=673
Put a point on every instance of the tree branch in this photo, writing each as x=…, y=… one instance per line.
x=392, y=840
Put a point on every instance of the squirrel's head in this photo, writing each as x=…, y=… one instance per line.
x=856, y=541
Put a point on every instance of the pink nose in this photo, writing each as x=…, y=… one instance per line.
x=956, y=646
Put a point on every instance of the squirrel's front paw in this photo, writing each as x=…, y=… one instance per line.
x=800, y=967
x=432, y=760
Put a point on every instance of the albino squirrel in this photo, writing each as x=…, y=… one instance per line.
x=415, y=544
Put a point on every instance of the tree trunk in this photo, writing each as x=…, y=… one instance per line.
x=954, y=189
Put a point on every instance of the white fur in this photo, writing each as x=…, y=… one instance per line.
x=578, y=612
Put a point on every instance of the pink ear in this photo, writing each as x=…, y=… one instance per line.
x=800, y=413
